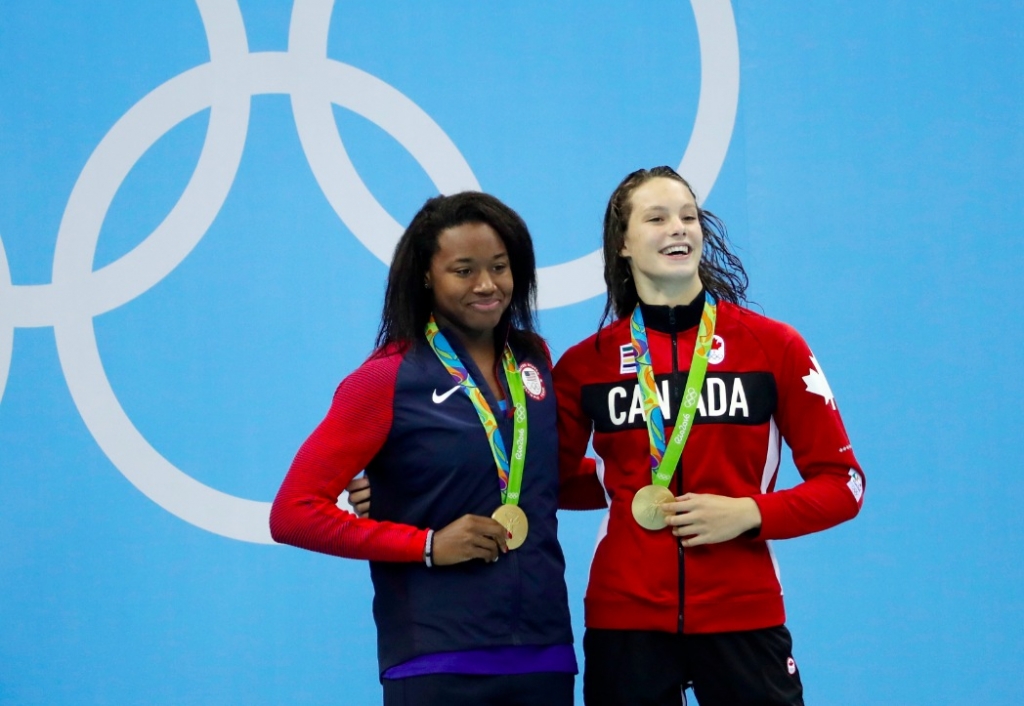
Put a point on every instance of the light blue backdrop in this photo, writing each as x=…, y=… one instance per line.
x=872, y=180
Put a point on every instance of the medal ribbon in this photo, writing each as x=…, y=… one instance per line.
x=510, y=475
x=665, y=456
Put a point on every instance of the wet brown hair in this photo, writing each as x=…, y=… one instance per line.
x=720, y=271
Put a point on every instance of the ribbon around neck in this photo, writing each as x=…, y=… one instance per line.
x=665, y=455
x=510, y=471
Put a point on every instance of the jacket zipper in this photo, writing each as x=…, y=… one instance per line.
x=679, y=470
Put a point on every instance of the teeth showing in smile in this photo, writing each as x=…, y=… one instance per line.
x=677, y=250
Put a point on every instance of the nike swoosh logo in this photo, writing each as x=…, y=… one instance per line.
x=438, y=399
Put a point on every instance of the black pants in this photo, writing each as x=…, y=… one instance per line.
x=647, y=668
x=538, y=689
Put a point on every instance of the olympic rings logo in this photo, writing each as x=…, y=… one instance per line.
x=225, y=85
x=691, y=397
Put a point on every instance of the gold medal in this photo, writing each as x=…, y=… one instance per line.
x=513, y=519
x=647, y=506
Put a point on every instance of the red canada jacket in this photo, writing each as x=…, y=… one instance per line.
x=763, y=386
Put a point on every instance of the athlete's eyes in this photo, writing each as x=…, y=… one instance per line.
x=655, y=219
x=501, y=267
x=464, y=272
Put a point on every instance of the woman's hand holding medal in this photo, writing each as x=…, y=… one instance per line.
x=469, y=537
x=700, y=518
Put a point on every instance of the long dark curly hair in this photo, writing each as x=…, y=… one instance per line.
x=408, y=304
x=720, y=271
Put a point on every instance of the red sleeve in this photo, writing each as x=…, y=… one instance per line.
x=305, y=511
x=808, y=418
x=579, y=486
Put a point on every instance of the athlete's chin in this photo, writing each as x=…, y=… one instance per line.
x=685, y=269
x=673, y=277
x=482, y=320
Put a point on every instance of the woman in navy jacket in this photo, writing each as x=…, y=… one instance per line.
x=467, y=611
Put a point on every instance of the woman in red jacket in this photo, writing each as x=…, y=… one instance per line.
x=686, y=397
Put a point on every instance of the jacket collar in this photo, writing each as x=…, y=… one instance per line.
x=671, y=319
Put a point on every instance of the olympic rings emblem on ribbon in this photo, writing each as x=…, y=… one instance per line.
x=691, y=398
x=225, y=85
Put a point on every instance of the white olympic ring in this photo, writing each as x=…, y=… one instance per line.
x=226, y=84
x=6, y=323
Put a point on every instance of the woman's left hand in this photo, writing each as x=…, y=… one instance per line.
x=710, y=519
x=359, y=495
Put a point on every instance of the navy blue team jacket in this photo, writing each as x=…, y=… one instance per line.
x=436, y=466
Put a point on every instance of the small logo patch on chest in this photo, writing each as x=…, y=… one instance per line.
x=627, y=359
x=533, y=383
x=717, y=354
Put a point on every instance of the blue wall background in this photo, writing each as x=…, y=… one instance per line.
x=872, y=183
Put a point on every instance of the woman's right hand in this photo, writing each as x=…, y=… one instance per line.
x=469, y=537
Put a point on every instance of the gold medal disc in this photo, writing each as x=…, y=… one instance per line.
x=647, y=506
x=513, y=519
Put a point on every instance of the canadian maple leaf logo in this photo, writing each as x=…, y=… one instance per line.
x=818, y=385
x=717, y=354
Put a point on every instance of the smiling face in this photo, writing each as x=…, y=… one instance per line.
x=663, y=242
x=471, y=280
